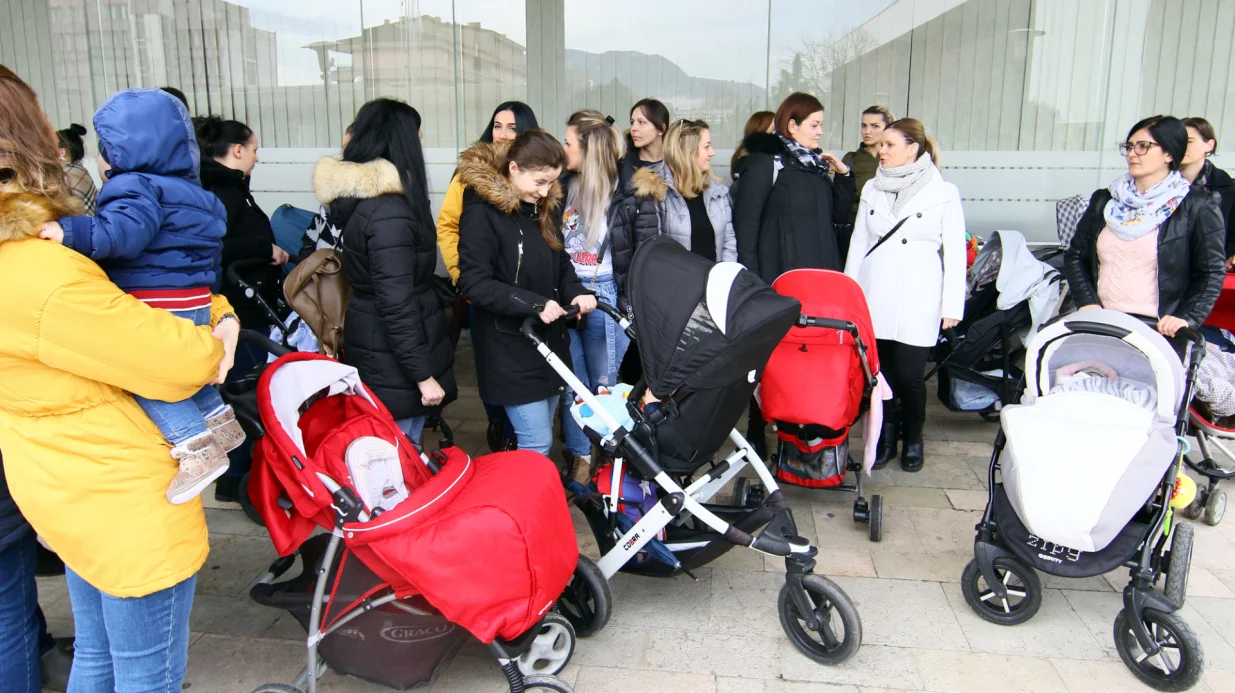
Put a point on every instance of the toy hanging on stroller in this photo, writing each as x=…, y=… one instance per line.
x=1089, y=484
x=818, y=382
x=418, y=544
x=703, y=333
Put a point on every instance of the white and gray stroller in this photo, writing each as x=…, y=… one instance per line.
x=1093, y=452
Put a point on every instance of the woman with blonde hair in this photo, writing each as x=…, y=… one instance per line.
x=908, y=254
x=87, y=467
x=696, y=210
x=605, y=218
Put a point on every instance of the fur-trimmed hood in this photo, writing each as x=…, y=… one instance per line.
x=334, y=179
x=764, y=143
x=480, y=170
x=22, y=215
x=648, y=183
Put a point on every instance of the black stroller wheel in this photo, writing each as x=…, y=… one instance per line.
x=546, y=683
x=552, y=648
x=876, y=518
x=990, y=416
x=831, y=605
x=587, y=600
x=1178, y=564
x=1215, y=508
x=1023, y=586
x=1180, y=663
x=1196, y=509
x=277, y=688
x=247, y=505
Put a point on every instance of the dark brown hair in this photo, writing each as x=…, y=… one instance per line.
x=655, y=111
x=1204, y=129
x=914, y=131
x=532, y=150
x=757, y=122
x=797, y=107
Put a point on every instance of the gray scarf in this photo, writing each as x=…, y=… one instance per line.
x=903, y=182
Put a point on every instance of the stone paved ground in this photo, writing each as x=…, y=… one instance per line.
x=721, y=634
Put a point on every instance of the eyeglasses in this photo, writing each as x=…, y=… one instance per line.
x=1141, y=148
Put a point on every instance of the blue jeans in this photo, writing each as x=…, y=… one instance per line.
x=596, y=352
x=413, y=427
x=133, y=645
x=180, y=421
x=23, y=632
x=534, y=424
x=240, y=460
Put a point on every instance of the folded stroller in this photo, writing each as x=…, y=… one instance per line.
x=421, y=548
x=1089, y=484
x=1211, y=437
x=818, y=382
x=979, y=361
x=703, y=331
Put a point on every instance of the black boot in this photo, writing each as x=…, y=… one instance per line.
x=495, y=436
x=885, y=448
x=756, y=435
x=911, y=459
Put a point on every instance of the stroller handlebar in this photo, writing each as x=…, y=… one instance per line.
x=531, y=321
x=257, y=338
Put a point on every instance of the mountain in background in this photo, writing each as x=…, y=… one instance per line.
x=659, y=76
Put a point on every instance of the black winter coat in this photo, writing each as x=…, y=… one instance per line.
x=789, y=225
x=1190, y=257
x=1220, y=182
x=249, y=237
x=394, y=331
x=509, y=272
x=633, y=217
x=13, y=526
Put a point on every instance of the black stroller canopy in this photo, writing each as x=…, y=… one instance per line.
x=701, y=325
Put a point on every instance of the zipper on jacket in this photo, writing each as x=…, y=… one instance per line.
x=519, y=257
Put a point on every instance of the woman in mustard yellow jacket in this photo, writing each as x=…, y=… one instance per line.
x=509, y=120
x=85, y=465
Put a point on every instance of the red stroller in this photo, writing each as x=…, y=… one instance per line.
x=818, y=382
x=422, y=548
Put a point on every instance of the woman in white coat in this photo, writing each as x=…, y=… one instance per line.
x=908, y=254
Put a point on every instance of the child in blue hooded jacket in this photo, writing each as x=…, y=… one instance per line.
x=159, y=237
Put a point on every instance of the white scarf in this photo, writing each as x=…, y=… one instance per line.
x=903, y=182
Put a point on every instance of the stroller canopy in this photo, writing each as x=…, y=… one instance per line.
x=702, y=325
x=1094, y=433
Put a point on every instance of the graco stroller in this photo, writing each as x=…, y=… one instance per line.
x=1088, y=485
x=421, y=548
x=979, y=361
x=818, y=382
x=704, y=331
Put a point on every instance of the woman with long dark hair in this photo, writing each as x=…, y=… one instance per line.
x=395, y=329
x=72, y=151
x=513, y=265
x=649, y=121
x=509, y=120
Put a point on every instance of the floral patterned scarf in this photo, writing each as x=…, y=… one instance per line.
x=1132, y=214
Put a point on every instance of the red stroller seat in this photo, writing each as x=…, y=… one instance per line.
x=488, y=542
x=819, y=382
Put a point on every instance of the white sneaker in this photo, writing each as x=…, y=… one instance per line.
x=202, y=460
x=377, y=475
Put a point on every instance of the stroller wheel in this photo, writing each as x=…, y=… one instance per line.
x=247, y=505
x=833, y=608
x=1178, y=563
x=876, y=518
x=587, y=600
x=1177, y=666
x=552, y=648
x=989, y=416
x=1024, y=592
x=1215, y=508
x=277, y=688
x=1196, y=509
x=546, y=683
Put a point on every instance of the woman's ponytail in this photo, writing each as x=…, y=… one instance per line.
x=913, y=131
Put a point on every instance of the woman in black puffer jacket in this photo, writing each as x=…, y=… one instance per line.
x=394, y=332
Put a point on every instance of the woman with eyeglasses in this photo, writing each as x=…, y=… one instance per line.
x=1151, y=244
x=1200, y=171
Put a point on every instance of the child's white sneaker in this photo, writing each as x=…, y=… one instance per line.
x=377, y=475
x=202, y=460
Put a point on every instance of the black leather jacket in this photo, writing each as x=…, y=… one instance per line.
x=1190, y=256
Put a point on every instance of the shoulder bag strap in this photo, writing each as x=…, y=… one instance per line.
x=886, y=236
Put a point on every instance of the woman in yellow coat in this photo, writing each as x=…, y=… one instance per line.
x=509, y=120
x=85, y=465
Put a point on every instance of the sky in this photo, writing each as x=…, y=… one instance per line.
x=721, y=39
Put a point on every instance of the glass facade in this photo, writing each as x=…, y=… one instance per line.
x=1025, y=85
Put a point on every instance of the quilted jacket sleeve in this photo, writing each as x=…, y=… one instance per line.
x=448, y=227
x=128, y=214
x=390, y=243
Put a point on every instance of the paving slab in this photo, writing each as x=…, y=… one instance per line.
x=901, y=613
x=975, y=672
x=1056, y=630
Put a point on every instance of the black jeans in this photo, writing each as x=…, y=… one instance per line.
x=904, y=366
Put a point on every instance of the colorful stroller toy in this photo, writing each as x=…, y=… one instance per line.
x=421, y=548
x=818, y=382
x=704, y=331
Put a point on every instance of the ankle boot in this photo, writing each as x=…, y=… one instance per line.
x=911, y=458
x=885, y=447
